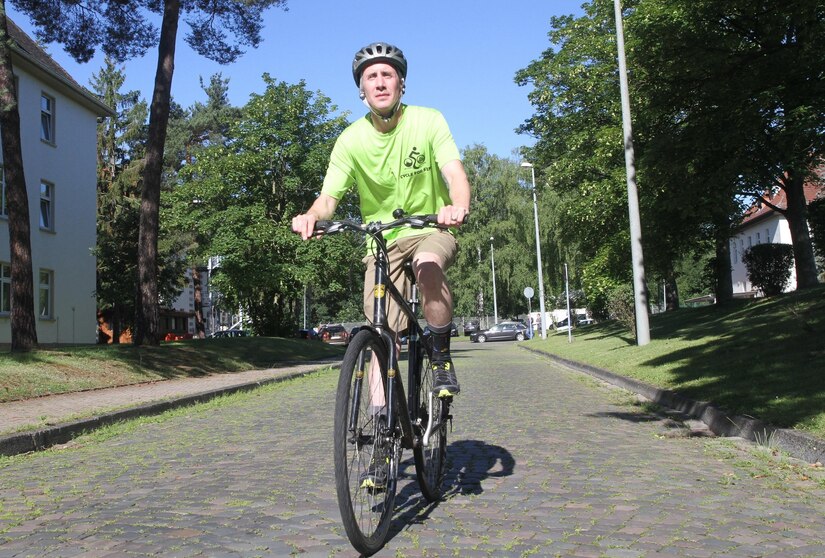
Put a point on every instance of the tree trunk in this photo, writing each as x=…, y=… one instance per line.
x=146, y=327
x=200, y=329
x=722, y=268
x=797, y=217
x=672, y=292
x=23, y=325
x=116, y=320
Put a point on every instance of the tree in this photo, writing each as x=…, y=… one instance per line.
x=123, y=30
x=578, y=152
x=199, y=126
x=723, y=103
x=501, y=201
x=23, y=330
x=239, y=197
x=120, y=150
x=740, y=84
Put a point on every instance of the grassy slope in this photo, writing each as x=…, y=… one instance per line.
x=762, y=358
x=64, y=369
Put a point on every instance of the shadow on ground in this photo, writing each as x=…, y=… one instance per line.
x=469, y=463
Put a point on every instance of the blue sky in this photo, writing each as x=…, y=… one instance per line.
x=463, y=55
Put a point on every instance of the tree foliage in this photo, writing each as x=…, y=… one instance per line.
x=239, y=198
x=121, y=148
x=724, y=104
x=736, y=99
x=501, y=208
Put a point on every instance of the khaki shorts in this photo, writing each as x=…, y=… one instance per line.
x=438, y=242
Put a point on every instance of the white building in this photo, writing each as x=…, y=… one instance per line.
x=762, y=225
x=58, y=131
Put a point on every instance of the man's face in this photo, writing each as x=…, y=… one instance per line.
x=381, y=86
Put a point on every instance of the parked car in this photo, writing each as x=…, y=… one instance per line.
x=231, y=333
x=471, y=327
x=453, y=330
x=334, y=334
x=307, y=334
x=505, y=331
x=562, y=326
x=585, y=322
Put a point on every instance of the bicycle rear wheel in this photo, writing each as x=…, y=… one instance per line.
x=361, y=440
x=430, y=459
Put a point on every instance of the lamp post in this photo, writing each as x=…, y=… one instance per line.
x=639, y=288
x=526, y=164
x=493, y=265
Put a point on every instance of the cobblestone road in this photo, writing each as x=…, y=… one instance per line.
x=544, y=462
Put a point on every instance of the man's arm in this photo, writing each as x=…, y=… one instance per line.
x=456, y=178
x=323, y=208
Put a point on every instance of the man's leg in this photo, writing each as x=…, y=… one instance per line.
x=438, y=311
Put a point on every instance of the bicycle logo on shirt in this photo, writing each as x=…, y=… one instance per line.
x=415, y=159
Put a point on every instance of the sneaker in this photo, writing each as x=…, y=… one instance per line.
x=445, y=383
x=375, y=477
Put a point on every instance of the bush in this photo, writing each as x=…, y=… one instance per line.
x=769, y=267
x=621, y=305
x=816, y=219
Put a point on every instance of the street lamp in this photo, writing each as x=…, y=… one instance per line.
x=639, y=283
x=493, y=264
x=525, y=164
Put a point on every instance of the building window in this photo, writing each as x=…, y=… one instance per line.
x=750, y=243
x=5, y=288
x=46, y=206
x=735, y=252
x=46, y=118
x=759, y=237
x=45, y=290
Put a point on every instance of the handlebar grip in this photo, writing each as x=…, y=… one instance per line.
x=434, y=219
x=322, y=225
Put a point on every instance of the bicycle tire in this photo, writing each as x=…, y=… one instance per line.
x=429, y=460
x=366, y=512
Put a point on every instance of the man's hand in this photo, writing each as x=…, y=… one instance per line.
x=323, y=208
x=452, y=215
x=304, y=225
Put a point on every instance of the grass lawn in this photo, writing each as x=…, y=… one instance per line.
x=64, y=369
x=762, y=358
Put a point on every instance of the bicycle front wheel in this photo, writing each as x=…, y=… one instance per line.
x=366, y=453
x=430, y=457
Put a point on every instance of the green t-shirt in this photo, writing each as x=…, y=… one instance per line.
x=400, y=169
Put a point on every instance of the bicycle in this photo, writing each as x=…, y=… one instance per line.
x=371, y=432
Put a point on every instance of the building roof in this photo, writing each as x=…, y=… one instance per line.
x=760, y=210
x=31, y=56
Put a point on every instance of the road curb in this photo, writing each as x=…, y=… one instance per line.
x=37, y=440
x=797, y=444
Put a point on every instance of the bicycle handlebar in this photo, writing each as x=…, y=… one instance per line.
x=414, y=221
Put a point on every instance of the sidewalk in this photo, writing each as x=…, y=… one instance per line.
x=795, y=443
x=35, y=424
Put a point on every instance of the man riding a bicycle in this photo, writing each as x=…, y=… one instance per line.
x=401, y=156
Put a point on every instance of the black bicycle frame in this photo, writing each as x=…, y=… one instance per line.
x=383, y=288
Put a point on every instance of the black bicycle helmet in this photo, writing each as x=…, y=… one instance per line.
x=378, y=52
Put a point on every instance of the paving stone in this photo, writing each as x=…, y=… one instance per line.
x=556, y=467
